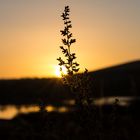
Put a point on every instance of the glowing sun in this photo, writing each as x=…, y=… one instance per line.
x=58, y=72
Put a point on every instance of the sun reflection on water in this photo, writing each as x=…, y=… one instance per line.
x=10, y=111
x=50, y=108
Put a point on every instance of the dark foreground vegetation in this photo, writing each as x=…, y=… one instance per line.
x=91, y=124
x=86, y=123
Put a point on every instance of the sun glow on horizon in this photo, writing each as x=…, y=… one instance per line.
x=58, y=72
x=30, y=36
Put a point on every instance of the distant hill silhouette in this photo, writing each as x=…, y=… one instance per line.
x=120, y=80
x=127, y=67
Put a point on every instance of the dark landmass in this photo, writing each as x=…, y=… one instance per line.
x=84, y=125
x=32, y=91
x=121, y=80
x=89, y=123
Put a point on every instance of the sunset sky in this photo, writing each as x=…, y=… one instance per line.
x=107, y=33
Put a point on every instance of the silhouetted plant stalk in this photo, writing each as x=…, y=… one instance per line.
x=79, y=83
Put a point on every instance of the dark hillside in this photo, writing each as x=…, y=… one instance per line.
x=31, y=91
x=121, y=80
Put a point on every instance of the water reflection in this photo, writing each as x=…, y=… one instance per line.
x=28, y=109
x=50, y=108
x=63, y=109
x=10, y=111
x=122, y=101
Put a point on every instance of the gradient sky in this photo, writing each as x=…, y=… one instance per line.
x=107, y=33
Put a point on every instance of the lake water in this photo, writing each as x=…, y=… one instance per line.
x=10, y=111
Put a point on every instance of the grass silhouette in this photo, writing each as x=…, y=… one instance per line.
x=79, y=84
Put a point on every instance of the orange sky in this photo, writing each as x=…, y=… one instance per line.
x=107, y=33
